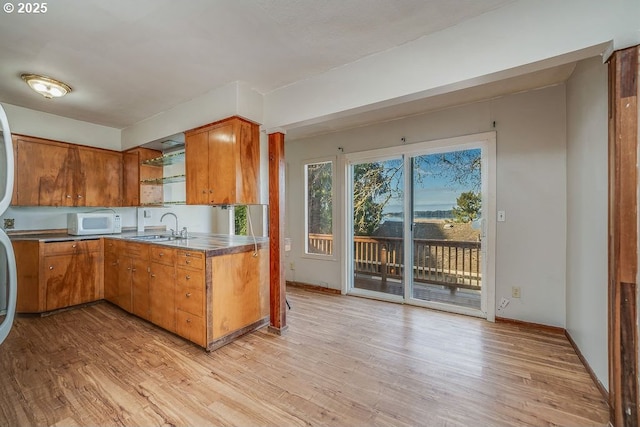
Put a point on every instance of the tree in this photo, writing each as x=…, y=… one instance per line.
x=374, y=184
x=461, y=168
x=319, y=201
x=468, y=207
x=240, y=220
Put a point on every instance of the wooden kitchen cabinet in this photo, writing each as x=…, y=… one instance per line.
x=190, y=296
x=162, y=287
x=135, y=172
x=55, y=275
x=239, y=294
x=126, y=276
x=51, y=173
x=223, y=163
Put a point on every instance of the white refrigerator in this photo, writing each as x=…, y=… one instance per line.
x=8, y=284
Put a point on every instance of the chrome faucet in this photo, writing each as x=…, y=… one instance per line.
x=173, y=231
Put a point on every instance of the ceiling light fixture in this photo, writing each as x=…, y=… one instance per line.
x=46, y=86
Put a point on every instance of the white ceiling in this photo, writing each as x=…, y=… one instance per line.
x=128, y=60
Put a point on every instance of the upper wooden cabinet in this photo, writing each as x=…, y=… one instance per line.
x=134, y=172
x=50, y=173
x=222, y=163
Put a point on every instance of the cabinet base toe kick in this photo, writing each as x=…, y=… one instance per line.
x=222, y=341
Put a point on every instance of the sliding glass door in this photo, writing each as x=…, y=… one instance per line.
x=418, y=221
x=377, y=216
x=446, y=236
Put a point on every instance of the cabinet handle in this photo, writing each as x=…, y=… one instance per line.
x=129, y=268
x=79, y=196
x=210, y=191
x=68, y=196
x=188, y=320
x=204, y=191
x=51, y=267
x=161, y=254
x=133, y=269
x=188, y=294
x=188, y=276
x=187, y=254
x=74, y=245
x=153, y=275
x=188, y=261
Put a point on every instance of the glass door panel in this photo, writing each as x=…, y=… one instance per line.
x=377, y=216
x=446, y=244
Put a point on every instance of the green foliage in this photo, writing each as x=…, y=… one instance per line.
x=319, y=201
x=373, y=187
x=240, y=220
x=468, y=207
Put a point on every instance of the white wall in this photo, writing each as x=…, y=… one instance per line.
x=44, y=125
x=531, y=188
x=587, y=186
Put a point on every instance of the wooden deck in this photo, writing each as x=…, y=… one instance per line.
x=462, y=297
x=344, y=362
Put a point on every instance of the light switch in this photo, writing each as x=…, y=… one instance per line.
x=501, y=216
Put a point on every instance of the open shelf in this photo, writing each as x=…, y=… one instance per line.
x=164, y=180
x=164, y=160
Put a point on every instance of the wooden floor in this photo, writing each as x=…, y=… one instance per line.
x=344, y=361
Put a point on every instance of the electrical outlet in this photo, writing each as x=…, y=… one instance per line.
x=9, y=223
x=515, y=292
x=292, y=266
x=503, y=303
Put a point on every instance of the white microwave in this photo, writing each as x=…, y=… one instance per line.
x=93, y=223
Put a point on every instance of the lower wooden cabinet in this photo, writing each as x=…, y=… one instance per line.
x=126, y=275
x=53, y=275
x=190, y=297
x=207, y=300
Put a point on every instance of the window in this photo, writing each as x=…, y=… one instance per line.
x=319, y=207
x=240, y=220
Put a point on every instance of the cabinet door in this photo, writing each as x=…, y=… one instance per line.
x=131, y=178
x=111, y=277
x=140, y=288
x=123, y=297
x=86, y=266
x=162, y=295
x=197, y=168
x=45, y=173
x=222, y=164
x=60, y=276
x=248, y=164
x=101, y=178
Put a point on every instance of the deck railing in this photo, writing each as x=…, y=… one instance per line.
x=455, y=264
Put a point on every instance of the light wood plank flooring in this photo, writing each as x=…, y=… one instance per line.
x=344, y=361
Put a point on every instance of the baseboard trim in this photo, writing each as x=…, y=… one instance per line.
x=539, y=326
x=596, y=381
x=316, y=288
x=555, y=329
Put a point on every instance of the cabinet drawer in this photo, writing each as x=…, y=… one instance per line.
x=190, y=300
x=190, y=279
x=135, y=250
x=190, y=327
x=163, y=255
x=71, y=247
x=191, y=259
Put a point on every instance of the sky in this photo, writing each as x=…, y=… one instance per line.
x=435, y=189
